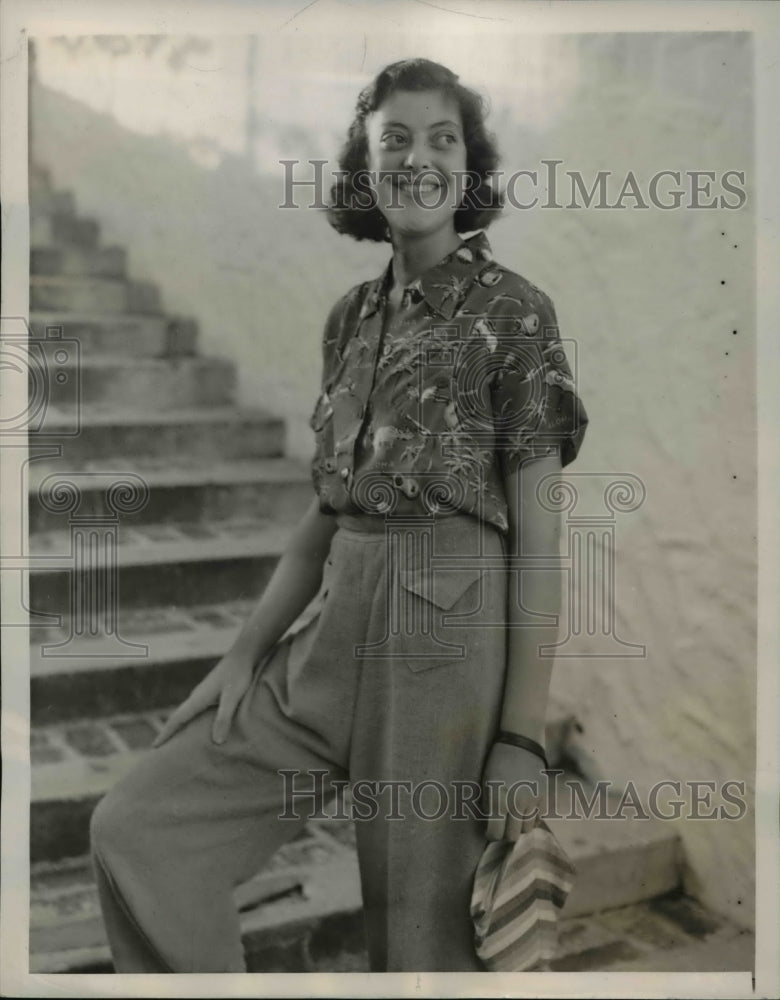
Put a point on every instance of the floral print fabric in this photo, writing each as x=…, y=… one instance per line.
x=430, y=416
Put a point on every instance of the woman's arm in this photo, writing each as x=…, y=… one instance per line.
x=534, y=538
x=293, y=583
x=534, y=535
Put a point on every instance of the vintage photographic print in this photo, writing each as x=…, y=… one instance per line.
x=381, y=444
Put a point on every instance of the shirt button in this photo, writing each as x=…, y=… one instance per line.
x=330, y=465
x=344, y=473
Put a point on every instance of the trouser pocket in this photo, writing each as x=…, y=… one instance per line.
x=434, y=614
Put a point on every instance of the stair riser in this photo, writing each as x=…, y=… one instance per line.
x=63, y=230
x=170, y=386
x=46, y=202
x=142, y=687
x=619, y=878
x=204, y=503
x=224, y=441
x=102, y=295
x=171, y=584
x=60, y=829
x=106, y=262
x=136, y=336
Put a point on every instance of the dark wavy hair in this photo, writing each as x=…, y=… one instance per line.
x=482, y=201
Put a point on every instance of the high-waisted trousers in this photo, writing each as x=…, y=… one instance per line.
x=393, y=674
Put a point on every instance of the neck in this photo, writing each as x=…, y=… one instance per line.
x=412, y=256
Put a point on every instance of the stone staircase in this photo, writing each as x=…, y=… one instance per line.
x=220, y=501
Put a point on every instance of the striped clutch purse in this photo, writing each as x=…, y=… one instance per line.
x=519, y=890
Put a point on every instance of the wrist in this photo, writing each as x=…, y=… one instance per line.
x=534, y=729
x=245, y=655
x=524, y=743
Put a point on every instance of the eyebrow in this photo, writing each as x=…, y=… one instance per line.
x=434, y=125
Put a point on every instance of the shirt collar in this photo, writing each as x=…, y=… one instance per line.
x=441, y=285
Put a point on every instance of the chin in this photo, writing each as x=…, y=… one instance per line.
x=416, y=222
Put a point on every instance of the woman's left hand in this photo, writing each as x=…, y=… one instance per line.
x=513, y=791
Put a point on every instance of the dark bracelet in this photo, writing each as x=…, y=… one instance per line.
x=524, y=742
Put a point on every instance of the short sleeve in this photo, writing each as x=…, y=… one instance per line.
x=536, y=407
x=330, y=343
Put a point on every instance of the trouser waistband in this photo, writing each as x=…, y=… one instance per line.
x=452, y=533
x=379, y=523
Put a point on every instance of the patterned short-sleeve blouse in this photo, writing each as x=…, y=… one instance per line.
x=472, y=380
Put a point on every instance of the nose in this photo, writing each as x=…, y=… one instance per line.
x=418, y=156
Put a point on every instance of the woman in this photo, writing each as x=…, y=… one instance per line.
x=446, y=398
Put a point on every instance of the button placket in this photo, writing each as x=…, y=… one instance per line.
x=370, y=331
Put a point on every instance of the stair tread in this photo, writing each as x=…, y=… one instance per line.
x=171, y=634
x=156, y=544
x=178, y=470
x=75, y=279
x=136, y=362
x=76, y=758
x=108, y=415
x=55, y=317
x=108, y=247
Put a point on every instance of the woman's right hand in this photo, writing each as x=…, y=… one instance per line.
x=224, y=687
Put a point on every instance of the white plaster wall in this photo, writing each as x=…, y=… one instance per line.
x=668, y=385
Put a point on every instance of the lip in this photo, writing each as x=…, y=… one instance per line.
x=428, y=186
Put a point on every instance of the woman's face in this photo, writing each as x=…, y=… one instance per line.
x=415, y=150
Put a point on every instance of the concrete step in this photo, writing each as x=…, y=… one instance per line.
x=119, y=334
x=181, y=489
x=95, y=432
x=304, y=911
x=158, y=565
x=62, y=229
x=100, y=262
x=76, y=761
x=87, y=294
x=156, y=384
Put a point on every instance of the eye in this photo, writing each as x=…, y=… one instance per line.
x=392, y=140
x=444, y=140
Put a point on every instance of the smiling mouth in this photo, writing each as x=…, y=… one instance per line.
x=421, y=193
x=424, y=187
